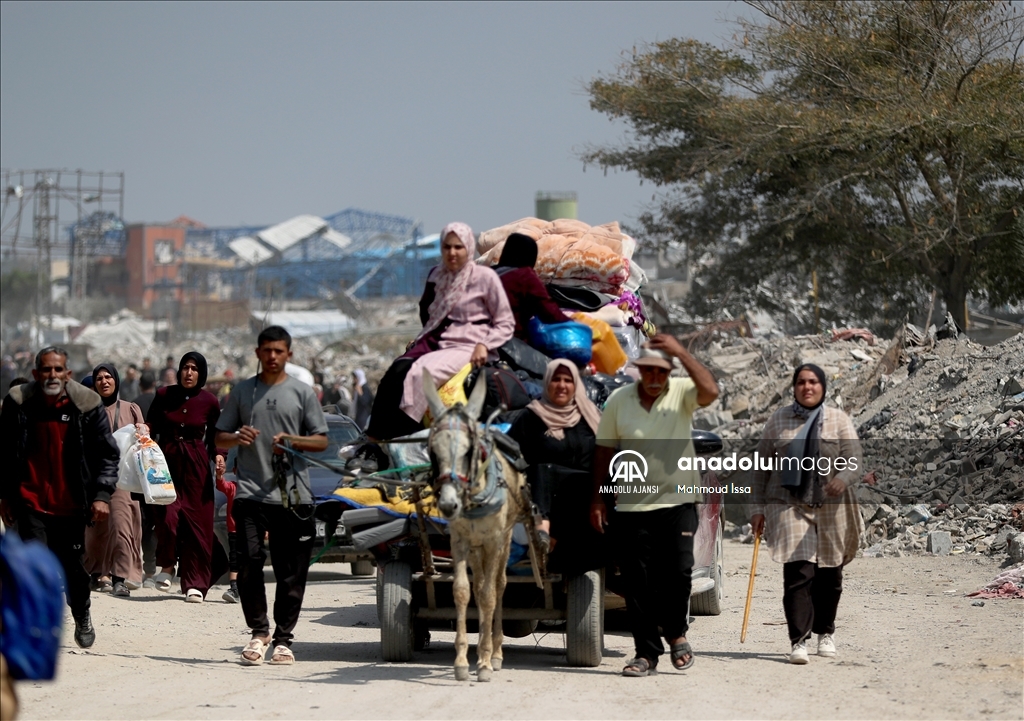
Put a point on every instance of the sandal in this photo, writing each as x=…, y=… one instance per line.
x=254, y=651
x=680, y=650
x=194, y=595
x=638, y=668
x=282, y=656
x=162, y=581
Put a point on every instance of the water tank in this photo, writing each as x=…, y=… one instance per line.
x=555, y=205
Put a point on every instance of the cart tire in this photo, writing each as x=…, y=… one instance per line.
x=380, y=594
x=396, y=627
x=709, y=603
x=362, y=567
x=584, y=637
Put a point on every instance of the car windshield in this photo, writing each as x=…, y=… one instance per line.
x=339, y=433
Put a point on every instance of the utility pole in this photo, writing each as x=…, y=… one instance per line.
x=42, y=220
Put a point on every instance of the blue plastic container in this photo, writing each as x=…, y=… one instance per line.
x=571, y=340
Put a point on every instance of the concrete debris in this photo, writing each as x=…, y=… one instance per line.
x=940, y=543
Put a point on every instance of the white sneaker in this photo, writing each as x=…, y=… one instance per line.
x=826, y=646
x=799, y=653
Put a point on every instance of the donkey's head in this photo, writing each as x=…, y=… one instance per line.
x=455, y=447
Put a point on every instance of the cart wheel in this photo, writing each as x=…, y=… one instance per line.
x=362, y=567
x=584, y=630
x=709, y=603
x=380, y=594
x=396, y=630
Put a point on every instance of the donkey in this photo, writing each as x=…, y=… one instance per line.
x=481, y=495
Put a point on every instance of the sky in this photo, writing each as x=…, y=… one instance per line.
x=252, y=113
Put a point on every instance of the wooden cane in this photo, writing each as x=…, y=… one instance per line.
x=750, y=588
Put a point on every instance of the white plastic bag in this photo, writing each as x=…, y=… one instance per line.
x=150, y=468
x=127, y=478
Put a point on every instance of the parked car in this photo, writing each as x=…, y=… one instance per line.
x=341, y=431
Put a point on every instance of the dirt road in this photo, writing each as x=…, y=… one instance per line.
x=910, y=646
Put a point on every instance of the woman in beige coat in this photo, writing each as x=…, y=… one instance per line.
x=113, y=548
x=807, y=508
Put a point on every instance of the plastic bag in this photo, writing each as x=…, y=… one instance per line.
x=127, y=478
x=629, y=340
x=570, y=340
x=153, y=475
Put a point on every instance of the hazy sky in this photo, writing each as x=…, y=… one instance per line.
x=253, y=113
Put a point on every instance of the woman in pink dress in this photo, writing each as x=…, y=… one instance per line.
x=466, y=318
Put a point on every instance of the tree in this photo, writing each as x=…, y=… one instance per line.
x=879, y=143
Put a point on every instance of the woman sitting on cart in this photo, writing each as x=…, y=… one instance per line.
x=466, y=317
x=527, y=294
x=557, y=437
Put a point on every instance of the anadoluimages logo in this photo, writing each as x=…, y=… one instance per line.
x=627, y=470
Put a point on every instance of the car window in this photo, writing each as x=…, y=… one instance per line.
x=339, y=433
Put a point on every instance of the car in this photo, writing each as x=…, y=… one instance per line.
x=341, y=431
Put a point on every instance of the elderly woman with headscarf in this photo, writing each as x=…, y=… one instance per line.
x=528, y=297
x=807, y=507
x=557, y=433
x=113, y=553
x=465, y=316
x=183, y=417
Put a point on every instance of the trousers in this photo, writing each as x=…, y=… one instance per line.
x=657, y=560
x=65, y=536
x=291, y=546
x=810, y=598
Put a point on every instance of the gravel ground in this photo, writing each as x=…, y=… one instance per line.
x=910, y=646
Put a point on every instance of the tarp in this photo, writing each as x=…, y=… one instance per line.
x=306, y=323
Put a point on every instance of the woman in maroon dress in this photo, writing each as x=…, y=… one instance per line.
x=183, y=418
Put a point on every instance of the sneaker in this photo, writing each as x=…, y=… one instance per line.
x=120, y=590
x=149, y=583
x=799, y=653
x=85, y=634
x=826, y=645
x=231, y=595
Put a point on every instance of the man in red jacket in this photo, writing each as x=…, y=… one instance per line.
x=55, y=434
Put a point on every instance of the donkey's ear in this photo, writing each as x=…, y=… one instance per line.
x=476, y=398
x=434, y=402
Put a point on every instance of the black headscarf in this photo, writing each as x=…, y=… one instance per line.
x=201, y=366
x=109, y=368
x=804, y=484
x=520, y=251
x=821, y=379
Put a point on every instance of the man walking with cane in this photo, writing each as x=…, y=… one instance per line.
x=649, y=424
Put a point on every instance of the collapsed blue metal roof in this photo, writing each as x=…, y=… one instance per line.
x=387, y=257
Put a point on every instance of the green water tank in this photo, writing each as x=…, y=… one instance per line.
x=555, y=205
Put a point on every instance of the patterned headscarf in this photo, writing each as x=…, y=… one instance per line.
x=449, y=286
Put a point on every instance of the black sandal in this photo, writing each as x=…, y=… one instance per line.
x=678, y=651
x=639, y=667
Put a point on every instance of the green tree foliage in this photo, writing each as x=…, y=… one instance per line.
x=879, y=143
